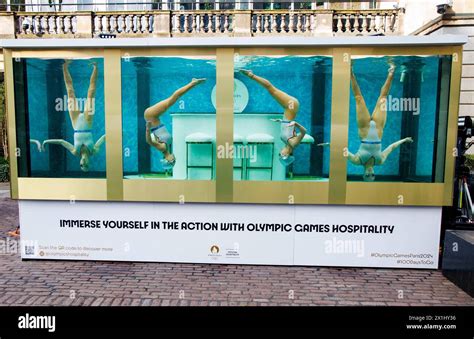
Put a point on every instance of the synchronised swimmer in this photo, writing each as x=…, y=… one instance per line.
x=371, y=128
x=82, y=122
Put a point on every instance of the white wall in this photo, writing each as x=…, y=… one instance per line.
x=466, y=103
x=418, y=13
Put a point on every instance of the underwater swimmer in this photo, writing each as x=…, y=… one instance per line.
x=154, y=126
x=291, y=132
x=371, y=129
x=84, y=146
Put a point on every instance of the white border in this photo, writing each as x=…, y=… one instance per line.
x=378, y=41
x=408, y=245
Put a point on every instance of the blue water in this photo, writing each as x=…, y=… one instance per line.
x=371, y=73
x=165, y=75
x=43, y=100
x=293, y=75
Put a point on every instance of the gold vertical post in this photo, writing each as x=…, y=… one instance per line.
x=113, y=123
x=454, y=92
x=224, y=123
x=339, y=125
x=11, y=126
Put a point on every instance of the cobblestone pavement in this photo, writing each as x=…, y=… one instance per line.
x=121, y=283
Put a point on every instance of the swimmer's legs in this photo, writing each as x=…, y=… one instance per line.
x=380, y=111
x=362, y=113
x=71, y=94
x=153, y=113
x=289, y=103
x=89, y=108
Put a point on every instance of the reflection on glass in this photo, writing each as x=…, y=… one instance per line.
x=282, y=128
x=168, y=118
x=60, y=117
x=398, y=114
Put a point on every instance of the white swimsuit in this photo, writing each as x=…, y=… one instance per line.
x=371, y=146
x=162, y=134
x=287, y=131
x=83, y=134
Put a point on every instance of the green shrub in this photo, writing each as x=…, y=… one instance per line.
x=4, y=170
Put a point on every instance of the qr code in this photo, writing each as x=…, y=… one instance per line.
x=29, y=250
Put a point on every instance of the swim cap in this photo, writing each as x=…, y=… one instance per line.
x=286, y=160
x=167, y=165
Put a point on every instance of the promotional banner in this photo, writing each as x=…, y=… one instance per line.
x=361, y=236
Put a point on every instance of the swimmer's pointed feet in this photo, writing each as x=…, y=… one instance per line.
x=409, y=139
x=391, y=68
x=391, y=64
x=197, y=81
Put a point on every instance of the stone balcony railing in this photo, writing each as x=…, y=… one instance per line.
x=199, y=23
